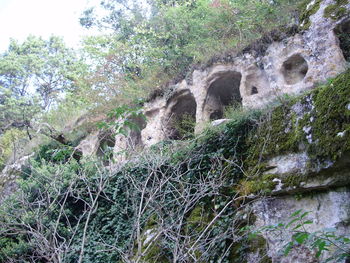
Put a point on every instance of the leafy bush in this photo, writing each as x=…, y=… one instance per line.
x=73, y=212
x=148, y=49
x=326, y=244
x=9, y=144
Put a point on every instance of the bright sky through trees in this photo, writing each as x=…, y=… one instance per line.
x=19, y=18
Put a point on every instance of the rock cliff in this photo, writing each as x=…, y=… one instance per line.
x=297, y=159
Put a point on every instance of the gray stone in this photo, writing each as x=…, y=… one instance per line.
x=326, y=211
x=219, y=122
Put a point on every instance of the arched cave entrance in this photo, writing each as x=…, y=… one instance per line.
x=134, y=136
x=294, y=69
x=105, y=149
x=224, y=91
x=342, y=31
x=181, y=120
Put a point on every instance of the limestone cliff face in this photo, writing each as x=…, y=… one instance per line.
x=329, y=209
x=253, y=79
x=297, y=176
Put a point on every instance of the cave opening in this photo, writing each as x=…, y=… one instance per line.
x=254, y=90
x=252, y=83
x=294, y=69
x=342, y=31
x=134, y=137
x=182, y=117
x=105, y=149
x=223, y=92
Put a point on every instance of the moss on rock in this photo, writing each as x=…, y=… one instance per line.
x=155, y=254
x=258, y=244
x=199, y=218
x=277, y=134
x=307, y=9
x=318, y=123
x=253, y=244
x=330, y=127
x=323, y=130
x=336, y=10
x=263, y=184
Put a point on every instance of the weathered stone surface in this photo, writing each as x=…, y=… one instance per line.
x=326, y=210
x=220, y=122
x=253, y=80
x=297, y=165
x=89, y=145
x=11, y=170
x=294, y=163
x=9, y=174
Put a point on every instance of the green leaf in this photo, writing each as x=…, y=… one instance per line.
x=308, y=222
x=292, y=222
x=296, y=213
x=301, y=237
x=288, y=248
x=304, y=214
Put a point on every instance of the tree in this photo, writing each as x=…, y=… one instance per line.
x=152, y=44
x=34, y=76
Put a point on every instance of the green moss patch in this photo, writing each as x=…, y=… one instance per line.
x=259, y=185
x=277, y=134
x=307, y=9
x=318, y=123
x=155, y=254
x=336, y=10
x=330, y=127
x=323, y=130
x=199, y=218
x=343, y=33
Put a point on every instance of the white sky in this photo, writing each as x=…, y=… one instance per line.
x=20, y=18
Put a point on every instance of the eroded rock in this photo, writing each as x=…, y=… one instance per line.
x=327, y=210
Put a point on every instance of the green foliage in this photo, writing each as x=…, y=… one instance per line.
x=13, y=248
x=30, y=211
x=336, y=247
x=147, y=49
x=71, y=186
x=217, y=155
x=76, y=207
x=308, y=8
x=124, y=119
x=67, y=112
x=336, y=10
x=16, y=111
x=34, y=75
x=54, y=152
x=185, y=126
x=9, y=143
x=47, y=65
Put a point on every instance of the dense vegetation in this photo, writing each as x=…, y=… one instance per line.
x=182, y=201
x=179, y=201
x=46, y=87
